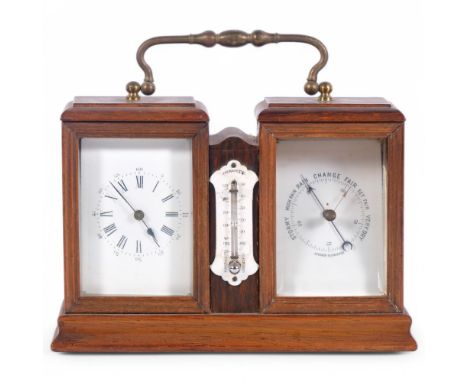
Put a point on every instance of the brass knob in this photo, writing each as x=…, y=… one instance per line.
x=133, y=88
x=325, y=88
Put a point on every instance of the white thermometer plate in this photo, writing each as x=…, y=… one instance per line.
x=234, y=260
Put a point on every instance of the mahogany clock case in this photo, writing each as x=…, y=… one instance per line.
x=104, y=117
x=220, y=317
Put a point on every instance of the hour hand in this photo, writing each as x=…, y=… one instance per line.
x=150, y=232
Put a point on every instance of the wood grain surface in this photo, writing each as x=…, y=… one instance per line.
x=234, y=333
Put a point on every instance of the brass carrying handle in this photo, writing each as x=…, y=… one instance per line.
x=232, y=39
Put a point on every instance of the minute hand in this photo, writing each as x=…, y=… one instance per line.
x=123, y=197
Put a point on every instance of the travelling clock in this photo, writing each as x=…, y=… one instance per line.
x=134, y=195
x=176, y=240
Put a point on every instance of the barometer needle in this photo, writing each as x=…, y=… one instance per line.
x=138, y=214
x=342, y=197
x=329, y=215
x=310, y=190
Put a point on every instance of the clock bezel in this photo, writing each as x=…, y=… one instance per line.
x=74, y=302
x=391, y=135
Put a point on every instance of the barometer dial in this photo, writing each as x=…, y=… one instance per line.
x=330, y=225
x=328, y=212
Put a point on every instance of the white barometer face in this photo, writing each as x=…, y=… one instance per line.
x=330, y=207
x=136, y=233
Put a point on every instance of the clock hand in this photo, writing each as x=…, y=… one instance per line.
x=138, y=215
x=150, y=232
x=123, y=197
x=329, y=215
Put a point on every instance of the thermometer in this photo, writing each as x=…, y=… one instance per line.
x=234, y=261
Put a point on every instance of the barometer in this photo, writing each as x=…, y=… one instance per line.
x=180, y=241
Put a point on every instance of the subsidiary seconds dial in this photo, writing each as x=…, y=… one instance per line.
x=139, y=214
x=329, y=212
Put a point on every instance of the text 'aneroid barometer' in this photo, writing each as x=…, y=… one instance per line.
x=175, y=240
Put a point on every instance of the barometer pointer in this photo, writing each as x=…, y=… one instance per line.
x=342, y=197
x=138, y=215
x=329, y=215
x=310, y=190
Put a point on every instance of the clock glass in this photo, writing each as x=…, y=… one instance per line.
x=331, y=217
x=136, y=217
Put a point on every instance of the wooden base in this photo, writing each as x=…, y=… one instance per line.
x=233, y=333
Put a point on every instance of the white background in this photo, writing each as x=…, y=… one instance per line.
x=411, y=52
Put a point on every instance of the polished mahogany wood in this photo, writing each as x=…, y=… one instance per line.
x=232, y=143
x=148, y=109
x=208, y=322
x=80, y=127
x=308, y=109
x=234, y=333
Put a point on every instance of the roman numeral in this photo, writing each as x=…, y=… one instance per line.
x=156, y=185
x=139, y=179
x=167, y=198
x=122, y=184
x=110, y=229
x=138, y=246
x=122, y=241
x=172, y=214
x=167, y=230
x=107, y=213
x=110, y=197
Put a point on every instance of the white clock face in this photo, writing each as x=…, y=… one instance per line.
x=139, y=214
x=136, y=217
x=330, y=218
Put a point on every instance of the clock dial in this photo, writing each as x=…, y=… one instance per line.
x=330, y=225
x=329, y=212
x=136, y=226
x=139, y=214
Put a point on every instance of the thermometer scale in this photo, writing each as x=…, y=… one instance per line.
x=234, y=261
